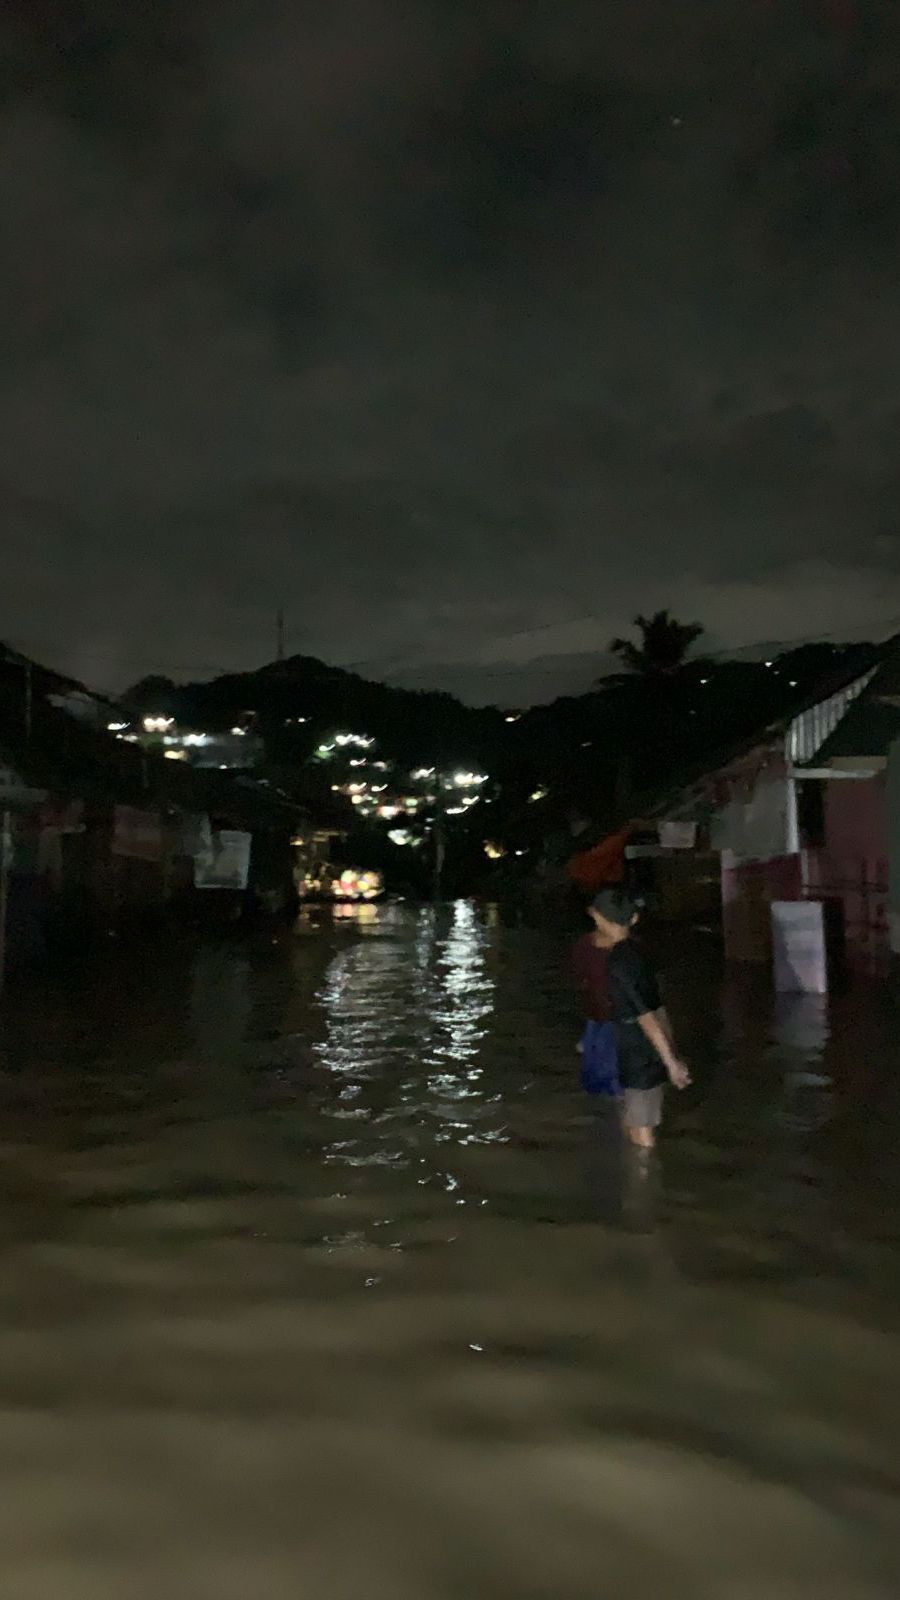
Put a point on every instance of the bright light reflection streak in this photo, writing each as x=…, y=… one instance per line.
x=404, y=1030
x=469, y=996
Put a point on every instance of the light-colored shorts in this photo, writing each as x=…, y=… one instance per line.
x=642, y=1108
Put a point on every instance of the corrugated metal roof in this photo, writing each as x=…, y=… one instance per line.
x=809, y=731
x=865, y=729
x=866, y=734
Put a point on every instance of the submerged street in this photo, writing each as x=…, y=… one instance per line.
x=322, y=1277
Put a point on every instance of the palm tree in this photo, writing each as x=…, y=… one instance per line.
x=663, y=646
x=653, y=665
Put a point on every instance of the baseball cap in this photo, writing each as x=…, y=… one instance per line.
x=615, y=906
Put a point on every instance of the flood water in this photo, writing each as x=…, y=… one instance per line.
x=321, y=1277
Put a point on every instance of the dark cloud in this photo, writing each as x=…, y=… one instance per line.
x=440, y=327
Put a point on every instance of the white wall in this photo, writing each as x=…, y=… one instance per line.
x=760, y=827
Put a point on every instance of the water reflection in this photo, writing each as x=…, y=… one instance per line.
x=320, y=1274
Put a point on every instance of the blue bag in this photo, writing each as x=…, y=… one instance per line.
x=600, y=1059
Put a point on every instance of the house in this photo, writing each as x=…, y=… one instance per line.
x=801, y=812
x=101, y=835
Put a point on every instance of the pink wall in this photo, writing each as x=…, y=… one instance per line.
x=853, y=865
x=748, y=889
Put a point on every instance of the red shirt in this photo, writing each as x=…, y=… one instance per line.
x=589, y=966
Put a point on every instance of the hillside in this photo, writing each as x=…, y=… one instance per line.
x=624, y=742
x=410, y=726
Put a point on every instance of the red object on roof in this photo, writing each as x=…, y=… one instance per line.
x=596, y=869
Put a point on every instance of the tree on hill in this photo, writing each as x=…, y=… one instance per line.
x=662, y=648
x=151, y=696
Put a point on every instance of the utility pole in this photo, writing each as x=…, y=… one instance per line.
x=279, y=631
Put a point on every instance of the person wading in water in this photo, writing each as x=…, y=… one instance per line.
x=620, y=990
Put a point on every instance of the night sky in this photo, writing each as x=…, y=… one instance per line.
x=439, y=324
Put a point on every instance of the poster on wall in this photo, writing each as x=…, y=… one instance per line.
x=226, y=863
x=137, y=834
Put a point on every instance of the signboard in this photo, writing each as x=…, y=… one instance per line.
x=678, y=835
x=798, y=940
x=225, y=864
x=137, y=834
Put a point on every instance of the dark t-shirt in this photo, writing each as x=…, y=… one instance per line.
x=633, y=991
